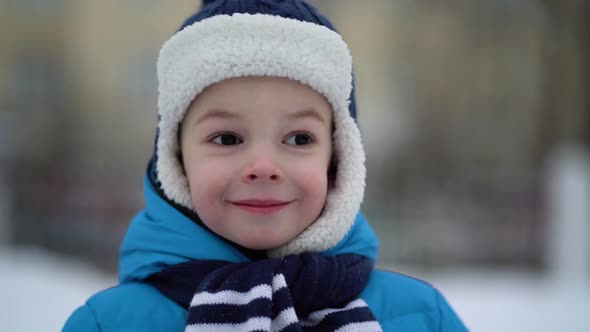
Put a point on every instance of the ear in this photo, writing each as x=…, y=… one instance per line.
x=333, y=166
x=179, y=152
x=332, y=170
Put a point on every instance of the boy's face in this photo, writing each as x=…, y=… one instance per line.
x=256, y=152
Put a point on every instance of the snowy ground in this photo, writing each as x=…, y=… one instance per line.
x=39, y=290
x=515, y=301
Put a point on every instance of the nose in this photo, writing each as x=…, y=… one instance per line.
x=262, y=168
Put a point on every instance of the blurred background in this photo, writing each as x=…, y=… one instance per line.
x=476, y=122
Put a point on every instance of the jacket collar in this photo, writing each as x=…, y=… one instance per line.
x=160, y=235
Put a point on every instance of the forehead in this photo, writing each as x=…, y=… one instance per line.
x=281, y=95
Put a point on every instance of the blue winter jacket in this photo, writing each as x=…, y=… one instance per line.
x=160, y=236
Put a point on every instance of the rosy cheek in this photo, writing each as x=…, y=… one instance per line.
x=315, y=182
x=208, y=182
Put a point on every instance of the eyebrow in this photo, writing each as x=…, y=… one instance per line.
x=216, y=114
x=308, y=113
x=225, y=114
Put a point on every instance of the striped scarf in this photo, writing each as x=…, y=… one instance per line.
x=306, y=292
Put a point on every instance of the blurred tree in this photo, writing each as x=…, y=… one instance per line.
x=566, y=78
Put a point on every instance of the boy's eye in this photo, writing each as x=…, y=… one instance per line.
x=226, y=139
x=299, y=139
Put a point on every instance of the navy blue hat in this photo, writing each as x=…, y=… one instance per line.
x=280, y=38
x=295, y=9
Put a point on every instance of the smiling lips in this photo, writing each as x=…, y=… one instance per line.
x=261, y=206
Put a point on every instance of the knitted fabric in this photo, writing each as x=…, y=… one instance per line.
x=306, y=292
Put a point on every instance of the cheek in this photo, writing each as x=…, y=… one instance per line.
x=207, y=183
x=313, y=181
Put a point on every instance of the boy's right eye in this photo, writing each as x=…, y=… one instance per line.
x=226, y=139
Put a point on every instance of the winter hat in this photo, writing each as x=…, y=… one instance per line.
x=276, y=38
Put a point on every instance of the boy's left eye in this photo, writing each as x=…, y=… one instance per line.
x=299, y=139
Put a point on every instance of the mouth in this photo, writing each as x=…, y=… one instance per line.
x=261, y=206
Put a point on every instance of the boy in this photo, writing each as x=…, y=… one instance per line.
x=252, y=216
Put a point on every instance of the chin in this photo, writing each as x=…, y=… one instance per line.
x=265, y=244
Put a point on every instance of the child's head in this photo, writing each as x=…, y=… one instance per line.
x=256, y=106
x=256, y=153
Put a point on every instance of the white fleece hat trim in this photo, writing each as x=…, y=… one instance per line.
x=224, y=46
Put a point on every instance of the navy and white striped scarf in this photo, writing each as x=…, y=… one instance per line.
x=306, y=292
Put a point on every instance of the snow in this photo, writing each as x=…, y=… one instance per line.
x=39, y=290
x=515, y=301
